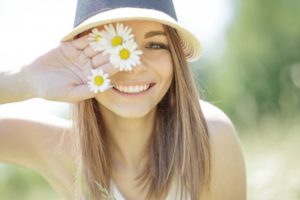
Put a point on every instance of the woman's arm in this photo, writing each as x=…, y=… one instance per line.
x=61, y=74
x=29, y=142
x=14, y=87
x=228, y=164
x=43, y=145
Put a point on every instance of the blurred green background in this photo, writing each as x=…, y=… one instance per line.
x=254, y=77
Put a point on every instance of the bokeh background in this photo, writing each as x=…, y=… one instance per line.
x=250, y=68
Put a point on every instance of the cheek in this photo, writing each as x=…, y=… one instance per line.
x=164, y=68
x=161, y=62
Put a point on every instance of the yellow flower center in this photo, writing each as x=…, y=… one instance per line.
x=116, y=41
x=124, y=54
x=97, y=38
x=98, y=80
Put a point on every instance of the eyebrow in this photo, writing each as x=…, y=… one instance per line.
x=154, y=33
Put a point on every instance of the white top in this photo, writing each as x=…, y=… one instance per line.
x=171, y=196
x=115, y=192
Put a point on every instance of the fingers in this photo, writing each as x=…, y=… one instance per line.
x=87, y=52
x=109, y=68
x=94, y=61
x=90, y=59
x=81, y=92
x=81, y=43
x=87, y=70
x=99, y=60
x=69, y=51
x=90, y=52
x=106, y=66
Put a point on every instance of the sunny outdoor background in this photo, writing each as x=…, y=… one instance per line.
x=250, y=68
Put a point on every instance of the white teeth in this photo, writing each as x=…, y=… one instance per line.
x=132, y=89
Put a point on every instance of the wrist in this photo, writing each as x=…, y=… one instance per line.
x=23, y=86
x=13, y=86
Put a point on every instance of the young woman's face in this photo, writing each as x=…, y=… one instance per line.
x=137, y=92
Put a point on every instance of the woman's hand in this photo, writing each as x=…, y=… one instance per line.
x=61, y=74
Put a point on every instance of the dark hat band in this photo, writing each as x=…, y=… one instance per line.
x=88, y=8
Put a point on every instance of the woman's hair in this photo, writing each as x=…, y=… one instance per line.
x=179, y=147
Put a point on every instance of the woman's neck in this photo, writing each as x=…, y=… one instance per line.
x=128, y=139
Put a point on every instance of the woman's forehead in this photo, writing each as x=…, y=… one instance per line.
x=139, y=25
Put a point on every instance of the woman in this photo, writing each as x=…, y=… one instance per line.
x=142, y=136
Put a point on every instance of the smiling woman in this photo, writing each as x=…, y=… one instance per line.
x=136, y=93
x=141, y=100
x=138, y=130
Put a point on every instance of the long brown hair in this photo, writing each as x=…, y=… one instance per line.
x=179, y=147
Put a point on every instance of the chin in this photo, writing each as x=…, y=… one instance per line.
x=132, y=112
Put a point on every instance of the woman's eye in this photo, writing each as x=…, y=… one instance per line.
x=153, y=45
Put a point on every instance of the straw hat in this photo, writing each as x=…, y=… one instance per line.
x=93, y=13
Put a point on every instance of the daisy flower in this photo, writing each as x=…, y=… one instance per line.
x=126, y=56
x=96, y=39
x=119, y=43
x=115, y=37
x=99, y=81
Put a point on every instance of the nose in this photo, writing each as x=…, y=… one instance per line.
x=140, y=67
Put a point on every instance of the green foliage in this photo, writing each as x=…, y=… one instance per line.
x=21, y=183
x=259, y=72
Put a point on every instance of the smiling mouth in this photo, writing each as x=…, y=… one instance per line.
x=133, y=89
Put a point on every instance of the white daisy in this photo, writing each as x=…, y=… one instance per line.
x=115, y=37
x=99, y=81
x=96, y=39
x=127, y=56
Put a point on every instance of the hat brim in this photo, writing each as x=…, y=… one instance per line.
x=190, y=44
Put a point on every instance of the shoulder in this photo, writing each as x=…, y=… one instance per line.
x=214, y=115
x=228, y=172
x=220, y=127
x=218, y=123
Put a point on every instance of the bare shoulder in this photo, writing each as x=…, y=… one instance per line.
x=228, y=165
